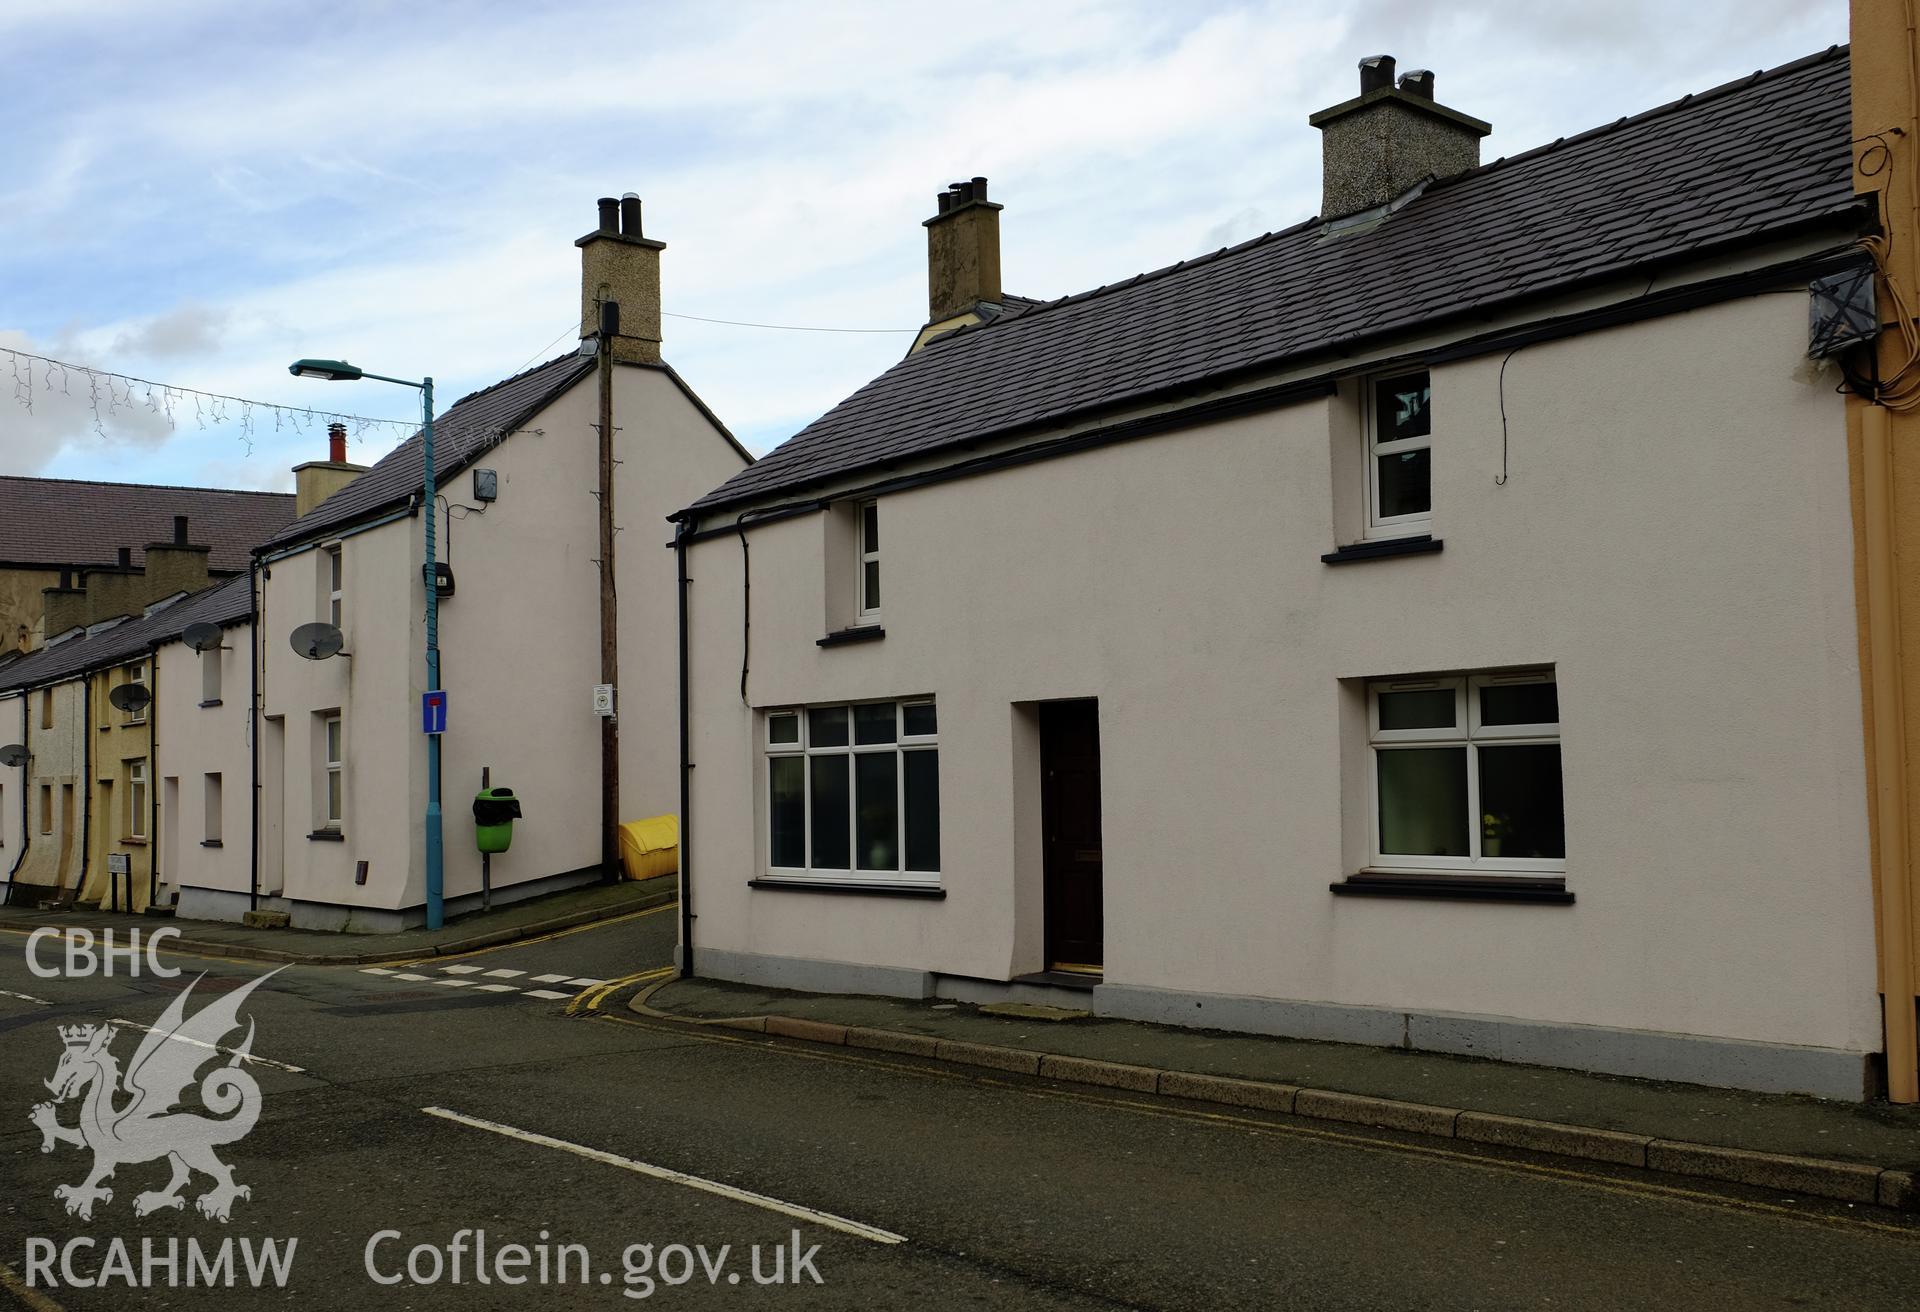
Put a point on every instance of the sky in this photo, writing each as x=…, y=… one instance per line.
x=200, y=191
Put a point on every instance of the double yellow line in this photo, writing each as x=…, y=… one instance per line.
x=588, y=1000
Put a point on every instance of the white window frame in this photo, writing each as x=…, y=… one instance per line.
x=336, y=582
x=137, y=798
x=862, y=557
x=902, y=744
x=1392, y=526
x=1467, y=732
x=137, y=673
x=333, y=751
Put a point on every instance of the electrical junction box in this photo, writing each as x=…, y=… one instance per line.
x=486, y=485
x=603, y=700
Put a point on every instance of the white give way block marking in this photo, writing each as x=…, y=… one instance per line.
x=858, y=1229
x=461, y=970
x=213, y=1047
x=25, y=997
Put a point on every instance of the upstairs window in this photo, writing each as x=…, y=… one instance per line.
x=137, y=674
x=854, y=792
x=333, y=764
x=1399, y=424
x=46, y=708
x=1467, y=773
x=868, y=609
x=330, y=573
x=210, y=676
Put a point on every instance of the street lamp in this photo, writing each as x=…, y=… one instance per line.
x=339, y=371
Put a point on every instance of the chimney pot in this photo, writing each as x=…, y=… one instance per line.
x=977, y=189
x=179, y=530
x=1376, y=71
x=945, y=201
x=630, y=215
x=66, y=577
x=609, y=214
x=1418, y=82
x=125, y=560
x=337, y=443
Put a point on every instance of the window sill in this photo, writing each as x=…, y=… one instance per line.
x=210, y=842
x=1419, y=545
x=130, y=841
x=1549, y=889
x=846, y=886
x=859, y=633
x=326, y=836
x=211, y=702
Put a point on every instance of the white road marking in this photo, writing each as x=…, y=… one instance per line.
x=454, y=983
x=496, y=988
x=461, y=970
x=414, y=978
x=505, y=974
x=858, y=1229
x=546, y=993
x=586, y=983
x=549, y=979
x=377, y=970
x=214, y=1047
x=25, y=997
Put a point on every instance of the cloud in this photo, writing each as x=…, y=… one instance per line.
x=403, y=190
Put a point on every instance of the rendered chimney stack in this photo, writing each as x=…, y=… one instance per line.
x=317, y=480
x=1390, y=138
x=620, y=265
x=963, y=251
x=176, y=566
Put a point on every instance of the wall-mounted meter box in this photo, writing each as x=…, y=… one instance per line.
x=486, y=485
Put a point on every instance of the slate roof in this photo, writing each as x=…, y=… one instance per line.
x=59, y=521
x=224, y=603
x=1724, y=168
x=474, y=424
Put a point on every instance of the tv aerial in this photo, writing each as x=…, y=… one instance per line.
x=317, y=641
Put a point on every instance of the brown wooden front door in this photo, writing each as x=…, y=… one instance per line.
x=1070, y=824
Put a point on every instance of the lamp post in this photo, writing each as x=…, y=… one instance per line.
x=339, y=371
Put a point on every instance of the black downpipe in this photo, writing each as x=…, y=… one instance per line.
x=686, y=769
x=746, y=604
x=253, y=731
x=85, y=799
x=26, y=817
x=153, y=783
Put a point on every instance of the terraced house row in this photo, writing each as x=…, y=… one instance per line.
x=1469, y=620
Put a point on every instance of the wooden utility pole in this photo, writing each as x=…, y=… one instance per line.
x=609, y=607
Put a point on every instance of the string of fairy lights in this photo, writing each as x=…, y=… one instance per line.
x=36, y=379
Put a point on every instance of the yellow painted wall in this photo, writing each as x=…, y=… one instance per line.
x=1886, y=119
x=119, y=740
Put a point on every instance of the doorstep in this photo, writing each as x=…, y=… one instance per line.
x=1854, y=1152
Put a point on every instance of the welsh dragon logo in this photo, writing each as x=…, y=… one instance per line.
x=134, y=1119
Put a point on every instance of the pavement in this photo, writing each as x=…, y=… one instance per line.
x=399, y=1119
x=1866, y=1151
x=478, y=929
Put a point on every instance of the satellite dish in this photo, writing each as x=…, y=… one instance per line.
x=201, y=636
x=130, y=697
x=13, y=754
x=317, y=641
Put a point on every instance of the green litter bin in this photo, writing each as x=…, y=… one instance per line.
x=494, y=811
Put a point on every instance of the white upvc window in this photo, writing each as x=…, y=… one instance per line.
x=136, y=799
x=1466, y=773
x=853, y=792
x=332, y=566
x=137, y=674
x=867, y=539
x=334, y=762
x=1399, y=428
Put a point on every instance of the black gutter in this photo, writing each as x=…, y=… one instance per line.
x=1691, y=296
x=253, y=731
x=1126, y=430
x=686, y=773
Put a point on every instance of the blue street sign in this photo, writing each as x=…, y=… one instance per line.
x=433, y=711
